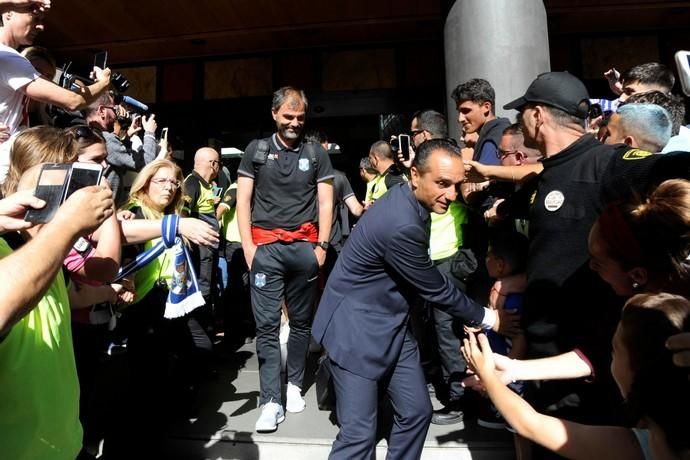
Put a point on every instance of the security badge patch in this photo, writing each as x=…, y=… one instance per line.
x=260, y=280
x=303, y=164
x=554, y=200
x=636, y=154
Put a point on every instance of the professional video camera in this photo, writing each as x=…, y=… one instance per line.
x=64, y=118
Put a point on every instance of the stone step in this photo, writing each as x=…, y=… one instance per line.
x=223, y=425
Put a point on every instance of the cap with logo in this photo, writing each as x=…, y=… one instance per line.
x=556, y=89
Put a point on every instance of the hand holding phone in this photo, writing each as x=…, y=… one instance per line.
x=83, y=175
x=404, y=146
x=100, y=60
x=50, y=188
x=56, y=182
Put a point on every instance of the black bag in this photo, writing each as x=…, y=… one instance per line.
x=325, y=392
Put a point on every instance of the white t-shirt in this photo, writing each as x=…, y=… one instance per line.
x=15, y=73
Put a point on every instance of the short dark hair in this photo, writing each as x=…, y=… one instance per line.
x=382, y=149
x=672, y=103
x=317, y=136
x=650, y=73
x=563, y=118
x=476, y=90
x=510, y=246
x=426, y=148
x=282, y=94
x=513, y=130
x=433, y=122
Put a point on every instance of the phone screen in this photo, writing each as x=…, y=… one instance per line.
x=82, y=177
x=404, y=140
x=100, y=60
x=51, y=184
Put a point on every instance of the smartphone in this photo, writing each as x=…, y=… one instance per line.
x=164, y=133
x=50, y=188
x=404, y=146
x=83, y=175
x=100, y=60
x=683, y=65
x=217, y=191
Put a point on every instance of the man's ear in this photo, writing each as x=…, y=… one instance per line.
x=486, y=108
x=639, y=275
x=414, y=176
x=630, y=140
x=274, y=114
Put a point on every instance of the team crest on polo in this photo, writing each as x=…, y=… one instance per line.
x=260, y=280
x=303, y=164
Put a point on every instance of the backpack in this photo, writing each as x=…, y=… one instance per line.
x=262, y=149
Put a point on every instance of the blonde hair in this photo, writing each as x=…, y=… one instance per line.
x=138, y=194
x=33, y=146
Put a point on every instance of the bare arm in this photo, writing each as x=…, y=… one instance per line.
x=324, y=192
x=83, y=295
x=137, y=231
x=245, y=189
x=46, y=91
x=478, y=172
x=105, y=263
x=569, y=439
x=33, y=267
x=560, y=367
x=354, y=205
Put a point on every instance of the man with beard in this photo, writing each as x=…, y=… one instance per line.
x=284, y=188
x=102, y=114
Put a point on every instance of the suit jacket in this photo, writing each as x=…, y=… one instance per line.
x=384, y=266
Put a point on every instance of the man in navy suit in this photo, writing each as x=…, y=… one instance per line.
x=362, y=319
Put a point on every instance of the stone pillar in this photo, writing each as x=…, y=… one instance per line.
x=503, y=41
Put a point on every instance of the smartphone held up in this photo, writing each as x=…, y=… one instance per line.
x=56, y=182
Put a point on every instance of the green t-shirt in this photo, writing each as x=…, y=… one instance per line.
x=39, y=389
x=446, y=231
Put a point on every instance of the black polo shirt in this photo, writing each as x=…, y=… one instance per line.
x=285, y=194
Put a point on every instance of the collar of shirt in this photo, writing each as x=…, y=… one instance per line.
x=279, y=145
x=423, y=213
x=201, y=179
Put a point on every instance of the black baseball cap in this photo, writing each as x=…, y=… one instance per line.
x=556, y=89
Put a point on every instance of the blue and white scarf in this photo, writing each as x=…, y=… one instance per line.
x=183, y=295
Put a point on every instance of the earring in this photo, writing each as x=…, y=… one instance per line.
x=636, y=285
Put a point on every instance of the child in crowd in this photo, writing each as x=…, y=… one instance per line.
x=506, y=256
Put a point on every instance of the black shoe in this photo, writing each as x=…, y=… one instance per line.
x=448, y=415
x=490, y=417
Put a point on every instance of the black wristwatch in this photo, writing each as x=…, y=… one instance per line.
x=323, y=245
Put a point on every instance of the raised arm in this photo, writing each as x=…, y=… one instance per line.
x=33, y=267
x=569, y=439
x=46, y=91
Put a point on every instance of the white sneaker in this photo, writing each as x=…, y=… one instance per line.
x=271, y=415
x=295, y=402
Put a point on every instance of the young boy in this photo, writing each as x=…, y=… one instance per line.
x=506, y=256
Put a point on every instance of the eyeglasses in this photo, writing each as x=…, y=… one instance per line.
x=161, y=181
x=503, y=154
x=414, y=132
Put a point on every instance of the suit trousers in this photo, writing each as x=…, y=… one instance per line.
x=357, y=403
x=288, y=271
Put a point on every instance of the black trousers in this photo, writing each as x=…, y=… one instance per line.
x=282, y=271
x=449, y=331
x=237, y=311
